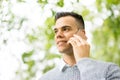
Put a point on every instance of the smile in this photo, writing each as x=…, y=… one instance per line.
x=60, y=43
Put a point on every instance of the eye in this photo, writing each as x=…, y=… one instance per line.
x=66, y=29
x=55, y=31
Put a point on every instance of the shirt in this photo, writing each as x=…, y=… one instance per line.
x=89, y=70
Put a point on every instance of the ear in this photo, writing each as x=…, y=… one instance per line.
x=83, y=34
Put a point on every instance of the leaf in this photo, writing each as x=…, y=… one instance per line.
x=27, y=55
x=47, y=68
x=52, y=56
x=60, y=3
x=31, y=38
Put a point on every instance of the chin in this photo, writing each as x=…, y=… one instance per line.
x=66, y=49
x=62, y=50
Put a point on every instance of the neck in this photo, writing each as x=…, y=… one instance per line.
x=69, y=59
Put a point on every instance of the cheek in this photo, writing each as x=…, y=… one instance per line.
x=55, y=39
x=68, y=36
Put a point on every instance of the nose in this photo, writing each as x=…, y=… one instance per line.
x=59, y=34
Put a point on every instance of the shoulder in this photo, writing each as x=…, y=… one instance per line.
x=93, y=62
x=99, y=68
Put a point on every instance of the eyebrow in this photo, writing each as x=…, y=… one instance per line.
x=65, y=26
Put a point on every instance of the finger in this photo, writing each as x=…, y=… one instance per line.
x=79, y=39
x=72, y=42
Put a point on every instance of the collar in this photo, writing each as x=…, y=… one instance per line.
x=62, y=66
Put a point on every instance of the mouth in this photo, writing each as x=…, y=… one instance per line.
x=60, y=43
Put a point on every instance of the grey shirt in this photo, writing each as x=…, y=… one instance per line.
x=85, y=69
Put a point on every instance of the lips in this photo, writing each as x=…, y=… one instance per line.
x=61, y=42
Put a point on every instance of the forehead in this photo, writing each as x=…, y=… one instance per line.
x=65, y=21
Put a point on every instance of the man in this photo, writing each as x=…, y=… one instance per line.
x=71, y=42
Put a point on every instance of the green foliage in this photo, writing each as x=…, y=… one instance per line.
x=31, y=38
x=47, y=68
x=108, y=4
x=60, y=3
x=106, y=38
x=85, y=12
x=50, y=56
x=26, y=57
x=98, y=4
x=42, y=2
x=48, y=31
x=21, y=0
x=9, y=18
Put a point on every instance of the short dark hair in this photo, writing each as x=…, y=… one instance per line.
x=78, y=17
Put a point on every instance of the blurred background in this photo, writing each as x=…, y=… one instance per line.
x=27, y=47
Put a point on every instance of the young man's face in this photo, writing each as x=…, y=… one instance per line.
x=64, y=29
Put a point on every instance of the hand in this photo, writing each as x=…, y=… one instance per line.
x=81, y=48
